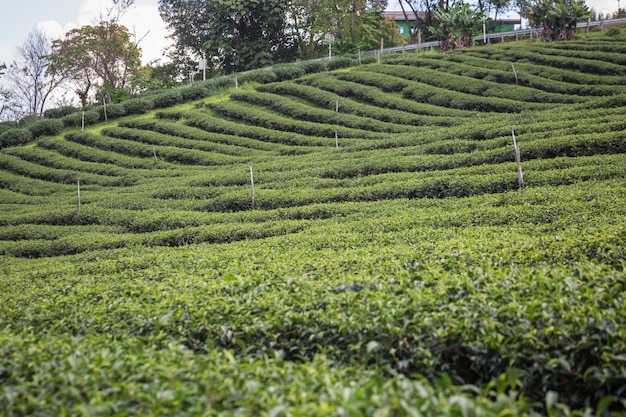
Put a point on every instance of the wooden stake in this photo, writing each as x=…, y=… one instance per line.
x=336, y=140
x=78, y=182
x=337, y=106
x=252, y=185
x=156, y=160
x=515, y=73
x=82, y=129
x=518, y=160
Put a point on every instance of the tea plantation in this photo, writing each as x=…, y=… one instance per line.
x=327, y=239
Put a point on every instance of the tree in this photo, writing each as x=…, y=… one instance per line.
x=31, y=81
x=253, y=33
x=101, y=56
x=557, y=18
x=6, y=98
x=188, y=22
x=249, y=34
x=354, y=24
x=456, y=25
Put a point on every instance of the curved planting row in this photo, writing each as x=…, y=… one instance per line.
x=508, y=73
x=366, y=87
x=300, y=111
x=397, y=269
x=260, y=116
x=329, y=100
x=263, y=137
x=465, y=84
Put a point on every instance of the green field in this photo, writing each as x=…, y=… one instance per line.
x=387, y=263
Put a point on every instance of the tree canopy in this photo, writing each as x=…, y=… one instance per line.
x=557, y=18
x=101, y=57
x=253, y=33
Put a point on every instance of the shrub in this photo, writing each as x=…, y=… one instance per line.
x=194, y=92
x=288, y=71
x=167, y=99
x=138, y=105
x=612, y=32
x=46, y=127
x=4, y=126
x=28, y=120
x=262, y=76
x=60, y=112
x=75, y=119
x=311, y=67
x=113, y=110
x=341, y=62
x=14, y=137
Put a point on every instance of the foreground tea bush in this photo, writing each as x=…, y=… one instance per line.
x=169, y=378
x=232, y=256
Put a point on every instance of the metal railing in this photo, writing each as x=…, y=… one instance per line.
x=486, y=38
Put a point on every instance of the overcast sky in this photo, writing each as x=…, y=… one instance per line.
x=55, y=17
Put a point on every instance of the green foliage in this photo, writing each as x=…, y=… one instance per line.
x=396, y=269
x=60, y=112
x=46, y=127
x=138, y=105
x=13, y=137
x=288, y=71
x=76, y=119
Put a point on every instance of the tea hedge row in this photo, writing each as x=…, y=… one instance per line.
x=491, y=309
x=60, y=175
x=89, y=154
x=175, y=149
x=567, y=69
x=168, y=378
x=46, y=158
x=604, y=56
x=210, y=141
x=328, y=100
x=470, y=85
x=210, y=123
x=502, y=72
x=257, y=116
x=296, y=110
x=362, y=86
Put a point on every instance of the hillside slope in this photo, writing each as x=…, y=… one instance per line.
x=385, y=243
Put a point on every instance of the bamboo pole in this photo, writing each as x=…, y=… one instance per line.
x=78, y=182
x=252, y=185
x=518, y=160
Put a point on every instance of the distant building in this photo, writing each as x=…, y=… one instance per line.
x=404, y=25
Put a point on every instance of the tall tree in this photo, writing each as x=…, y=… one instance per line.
x=354, y=24
x=187, y=21
x=101, y=56
x=249, y=34
x=31, y=81
x=7, y=104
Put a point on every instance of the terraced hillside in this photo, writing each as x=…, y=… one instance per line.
x=384, y=262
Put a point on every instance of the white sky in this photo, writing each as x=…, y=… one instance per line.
x=55, y=17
